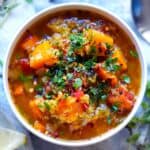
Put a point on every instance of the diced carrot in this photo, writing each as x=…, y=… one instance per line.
x=39, y=126
x=98, y=37
x=42, y=55
x=35, y=110
x=121, y=59
x=103, y=74
x=18, y=90
x=29, y=42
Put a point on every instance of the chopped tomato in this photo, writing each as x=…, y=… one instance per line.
x=78, y=94
x=25, y=66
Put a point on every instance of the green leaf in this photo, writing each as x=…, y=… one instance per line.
x=1, y=62
x=126, y=79
x=148, y=89
x=133, y=53
x=145, y=105
x=109, y=120
x=29, y=1
x=77, y=83
x=133, y=122
x=133, y=138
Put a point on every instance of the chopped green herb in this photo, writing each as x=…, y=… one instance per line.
x=133, y=138
x=108, y=46
x=48, y=96
x=133, y=53
x=25, y=78
x=99, y=92
x=77, y=41
x=69, y=76
x=90, y=63
x=39, y=89
x=40, y=106
x=77, y=83
x=114, y=108
x=58, y=79
x=103, y=97
x=126, y=79
x=46, y=105
x=109, y=120
x=111, y=65
x=148, y=89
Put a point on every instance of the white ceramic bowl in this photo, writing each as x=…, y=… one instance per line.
x=106, y=14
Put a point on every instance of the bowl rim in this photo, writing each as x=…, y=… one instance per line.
x=106, y=14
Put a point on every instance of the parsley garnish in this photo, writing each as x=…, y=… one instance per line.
x=126, y=79
x=69, y=76
x=99, y=92
x=48, y=96
x=76, y=41
x=77, y=83
x=111, y=65
x=39, y=89
x=90, y=63
x=114, y=108
x=46, y=104
x=108, y=46
x=109, y=120
x=133, y=53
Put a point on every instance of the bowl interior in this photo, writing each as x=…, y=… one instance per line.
x=106, y=14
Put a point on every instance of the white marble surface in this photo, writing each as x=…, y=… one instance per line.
x=16, y=19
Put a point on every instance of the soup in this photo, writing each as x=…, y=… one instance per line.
x=73, y=76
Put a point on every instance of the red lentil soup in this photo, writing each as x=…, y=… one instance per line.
x=73, y=76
